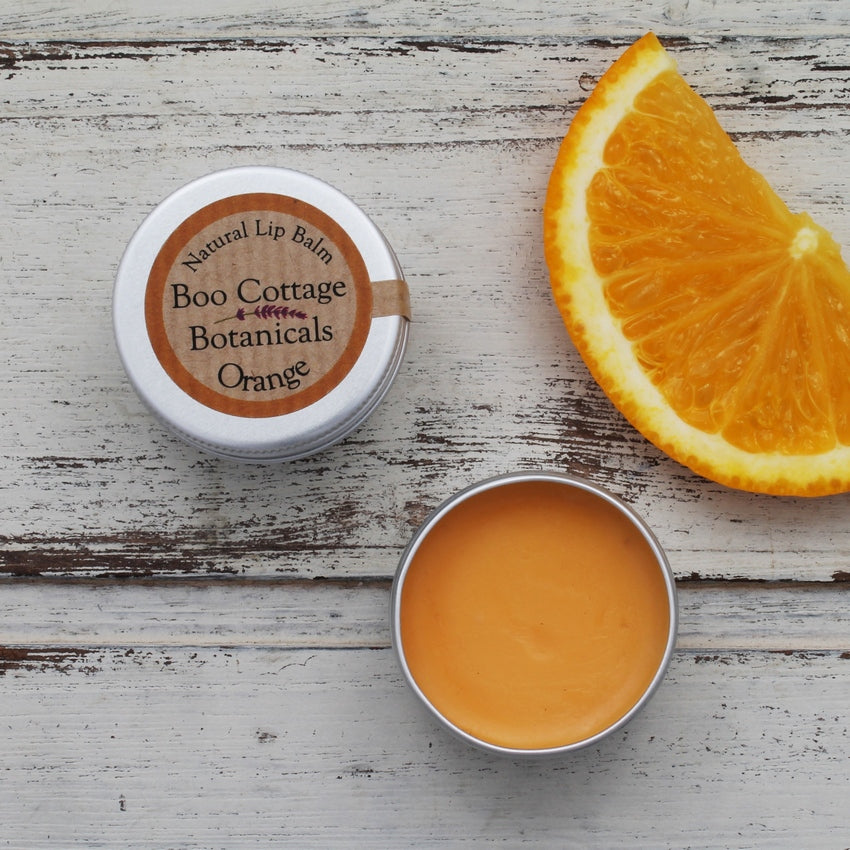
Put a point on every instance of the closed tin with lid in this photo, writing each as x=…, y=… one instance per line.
x=260, y=314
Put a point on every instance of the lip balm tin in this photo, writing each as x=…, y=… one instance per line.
x=260, y=314
x=445, y=509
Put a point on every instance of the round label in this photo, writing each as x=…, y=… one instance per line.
x=258, y=305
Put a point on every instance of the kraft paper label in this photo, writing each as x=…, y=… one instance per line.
x=260, y=304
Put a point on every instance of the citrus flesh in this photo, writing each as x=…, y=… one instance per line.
x=715, y=319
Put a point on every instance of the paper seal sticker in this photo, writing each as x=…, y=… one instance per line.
x=258, y=305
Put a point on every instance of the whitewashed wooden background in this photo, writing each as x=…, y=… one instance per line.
x=195, y=653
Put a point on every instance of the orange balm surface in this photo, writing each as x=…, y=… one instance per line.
x=534, y=615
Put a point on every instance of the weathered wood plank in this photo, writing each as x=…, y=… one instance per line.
x=48, y=616
x=231, y=19
x=454, y=171
x=246, y=748
x=481, y=80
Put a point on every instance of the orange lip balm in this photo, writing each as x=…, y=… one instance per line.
x=534, y=613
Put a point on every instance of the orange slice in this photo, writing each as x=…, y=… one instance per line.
x=715, y=319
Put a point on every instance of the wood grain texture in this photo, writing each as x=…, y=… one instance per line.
x=93, y=486
x=267, y=748
x=67, y=616
x=229, y=19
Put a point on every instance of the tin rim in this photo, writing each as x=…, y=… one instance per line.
x=498, y=481
x=270, y=439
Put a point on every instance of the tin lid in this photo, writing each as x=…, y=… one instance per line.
x=260, y=314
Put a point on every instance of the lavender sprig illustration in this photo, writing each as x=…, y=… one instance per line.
x=267, y=311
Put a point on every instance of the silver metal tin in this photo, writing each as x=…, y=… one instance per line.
x=267, y=438
x=498, y=481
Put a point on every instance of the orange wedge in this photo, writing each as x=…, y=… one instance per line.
x=715, y=319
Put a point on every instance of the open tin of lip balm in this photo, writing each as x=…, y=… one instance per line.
x=534, y=614
x=260, y=314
